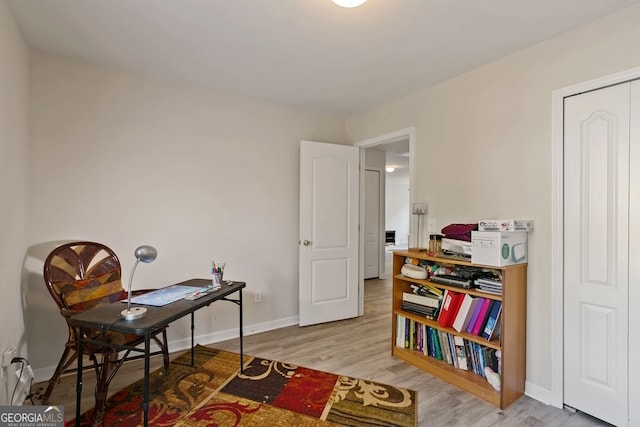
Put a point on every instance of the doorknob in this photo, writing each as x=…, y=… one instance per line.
x=306, y=242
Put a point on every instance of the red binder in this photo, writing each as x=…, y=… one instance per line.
x=450, y=304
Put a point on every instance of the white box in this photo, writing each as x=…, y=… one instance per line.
x=499, y=248
x=505, y=225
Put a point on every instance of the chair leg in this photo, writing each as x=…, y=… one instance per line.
x=102, y=388
x=68, y=356
x=164, y=347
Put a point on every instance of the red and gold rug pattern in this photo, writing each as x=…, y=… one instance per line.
x=213, y=393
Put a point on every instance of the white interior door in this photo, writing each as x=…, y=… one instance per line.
x=596, y=253
x=329, y=217
x=371, y=224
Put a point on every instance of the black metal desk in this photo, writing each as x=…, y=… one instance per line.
x=107, y=317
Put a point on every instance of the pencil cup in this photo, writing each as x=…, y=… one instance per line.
x=217, y=270
x=217, y=279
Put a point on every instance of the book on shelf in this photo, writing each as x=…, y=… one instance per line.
x=426, y=290
x=450, y=304
x=430, y=349
x=476, y=313
x=465, y=312
x=420, y=299
x=400, y=324
x=490, y=291
x=461, y=354
x=492, y=320
x=420, y=310
x=444, y=345
x=481, y=320
x=452, y=349
x=436, y=342
x=424, y=339
x=469, y=353
x=489, y=286
x=412, y=335
x=489, y=282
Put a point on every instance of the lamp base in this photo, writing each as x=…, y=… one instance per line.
x=134, y=313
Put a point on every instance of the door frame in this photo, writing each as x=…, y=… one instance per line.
x=407, y=133
x=557, y=217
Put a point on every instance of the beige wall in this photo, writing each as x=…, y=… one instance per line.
x=128, y=159
x=14, y=78
x=483, y=147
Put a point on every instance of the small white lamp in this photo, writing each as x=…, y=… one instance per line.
x=145, y=254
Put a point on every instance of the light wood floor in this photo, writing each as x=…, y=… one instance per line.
x=359, y=347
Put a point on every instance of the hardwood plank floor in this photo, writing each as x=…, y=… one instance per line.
x=359, y=347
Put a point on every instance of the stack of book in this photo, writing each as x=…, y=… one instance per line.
x=489, y=286
x=424, y=300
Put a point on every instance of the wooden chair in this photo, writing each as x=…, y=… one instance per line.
x=79, y=276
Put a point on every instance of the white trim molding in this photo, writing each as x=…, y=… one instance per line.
x=399, y=135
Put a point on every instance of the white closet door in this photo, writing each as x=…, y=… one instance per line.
x=596, y=253
x=634, y=256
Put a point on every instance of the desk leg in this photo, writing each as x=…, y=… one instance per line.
x=145, y=402
x=192, y=342
x=241, y=331
x=79, y=374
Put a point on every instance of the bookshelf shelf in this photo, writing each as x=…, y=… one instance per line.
x=492, y=343
x=511, y=342
x=451, y=288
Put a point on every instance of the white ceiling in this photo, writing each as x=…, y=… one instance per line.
x=306, y=54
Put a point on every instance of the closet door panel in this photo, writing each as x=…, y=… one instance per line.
x=634, y=255
x=596, y=259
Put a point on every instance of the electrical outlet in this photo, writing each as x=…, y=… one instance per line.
x=8, y=356
x=257, y=296
x=431, y=225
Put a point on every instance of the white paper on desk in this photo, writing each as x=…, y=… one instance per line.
x=164, y=296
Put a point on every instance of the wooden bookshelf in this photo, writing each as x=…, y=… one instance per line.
x=511, y=342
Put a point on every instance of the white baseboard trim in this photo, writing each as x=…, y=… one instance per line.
x=44, y=374
x=538, y=393
x=214, y=337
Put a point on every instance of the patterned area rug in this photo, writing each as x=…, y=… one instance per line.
x=268, y=393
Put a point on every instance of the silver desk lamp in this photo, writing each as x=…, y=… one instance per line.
x=145, y=254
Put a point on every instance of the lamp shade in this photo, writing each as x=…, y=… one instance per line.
x=146, y=253
x=349, y=3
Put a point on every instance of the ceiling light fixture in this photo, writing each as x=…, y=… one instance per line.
x=390, y=169
x=349, y=3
